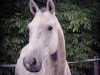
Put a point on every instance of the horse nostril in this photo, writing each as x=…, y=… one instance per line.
x=34, y=62
x=32, y=66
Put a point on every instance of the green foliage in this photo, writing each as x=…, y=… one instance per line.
x=74, y=17
x=14, y=36
x=13, y=31
x=76, y=22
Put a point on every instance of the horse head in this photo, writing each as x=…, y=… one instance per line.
x=43, y=36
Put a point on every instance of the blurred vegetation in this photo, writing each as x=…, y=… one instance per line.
x=79, y=19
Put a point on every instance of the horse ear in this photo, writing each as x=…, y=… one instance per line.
x=50, y=6
x=33, y=7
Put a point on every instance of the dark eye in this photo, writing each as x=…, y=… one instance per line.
x=50, y=28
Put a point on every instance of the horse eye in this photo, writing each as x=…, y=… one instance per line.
x=50, y=28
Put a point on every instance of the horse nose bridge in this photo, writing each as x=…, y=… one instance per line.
x=34, y=52
x=32, y=58
x=36, y=46
x=35, y=41
x=33, y=34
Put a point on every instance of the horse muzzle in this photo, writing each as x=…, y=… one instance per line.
x=32, y=66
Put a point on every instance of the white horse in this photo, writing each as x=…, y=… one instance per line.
x=45, y=53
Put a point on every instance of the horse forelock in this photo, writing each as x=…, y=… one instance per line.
x=43, y=9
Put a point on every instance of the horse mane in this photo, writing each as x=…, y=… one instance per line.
x=61, y=54
x=59, y=57
x=43, y=9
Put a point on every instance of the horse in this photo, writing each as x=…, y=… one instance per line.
x=45, y=53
